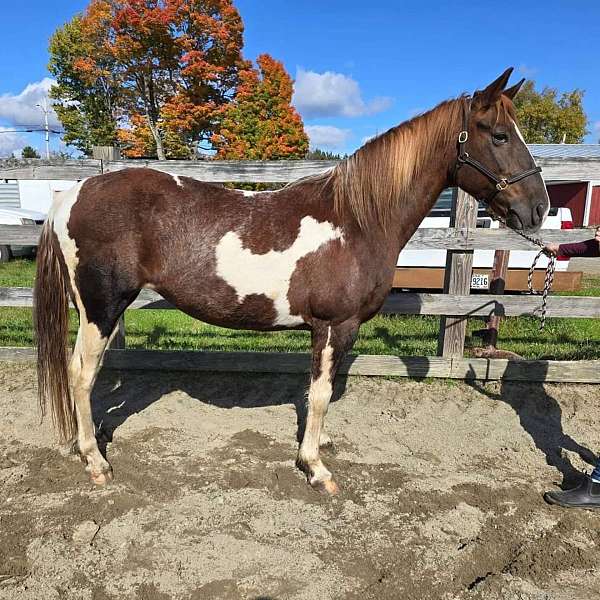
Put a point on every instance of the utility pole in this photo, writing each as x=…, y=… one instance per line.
x=44, y=108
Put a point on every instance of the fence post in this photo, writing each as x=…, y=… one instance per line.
x=457, y=277
x=497, y=285
x=105, y=154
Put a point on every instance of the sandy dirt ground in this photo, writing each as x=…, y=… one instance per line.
x=441, y=493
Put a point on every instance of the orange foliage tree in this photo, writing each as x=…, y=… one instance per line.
x=176, y=62
x=162, y=76
x=261, y=123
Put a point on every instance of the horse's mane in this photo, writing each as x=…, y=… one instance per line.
x=370, y=183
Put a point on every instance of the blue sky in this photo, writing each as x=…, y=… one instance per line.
x=360, y=67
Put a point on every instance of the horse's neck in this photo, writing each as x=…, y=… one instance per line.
x=435, y=175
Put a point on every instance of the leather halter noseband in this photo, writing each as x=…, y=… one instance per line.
x=464, y=159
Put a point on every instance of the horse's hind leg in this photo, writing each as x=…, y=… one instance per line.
x=89, y=348
x=330, y=344
x=101, y=301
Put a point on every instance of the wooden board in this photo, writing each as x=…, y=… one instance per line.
x=584, y=371
x=554, y=169
x=424, y=238
x=425, y=278
x=74, y=170
x=405, y=303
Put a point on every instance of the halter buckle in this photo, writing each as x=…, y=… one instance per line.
x=502, y=184
x=463, y=136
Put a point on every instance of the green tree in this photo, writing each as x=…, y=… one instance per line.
x=318, y=154
x=29, y=152
x=550, y=117
x=86, y=94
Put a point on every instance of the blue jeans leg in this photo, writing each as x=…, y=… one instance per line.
x=596, y=472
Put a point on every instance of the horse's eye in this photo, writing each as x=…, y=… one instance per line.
x=499, y=138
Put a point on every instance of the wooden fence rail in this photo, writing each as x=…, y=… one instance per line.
x=439, y=238
x=405, y=303
x=581, y=371
x=454, y=306
x=283, y=171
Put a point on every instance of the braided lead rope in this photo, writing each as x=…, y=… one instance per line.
x=548, y=278
x=548, y=281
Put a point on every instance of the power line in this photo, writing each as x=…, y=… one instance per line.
x=32, y=130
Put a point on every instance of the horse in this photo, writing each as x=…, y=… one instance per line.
x=318, y=254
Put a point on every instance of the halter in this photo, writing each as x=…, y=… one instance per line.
x=501, y=184
x=464, y=159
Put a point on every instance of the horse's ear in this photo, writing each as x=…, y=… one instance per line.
x=511, y=92
x=491, y=94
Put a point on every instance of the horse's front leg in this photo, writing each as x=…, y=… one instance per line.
x=330, y=344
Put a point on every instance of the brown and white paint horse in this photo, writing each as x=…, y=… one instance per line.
x=318, y=254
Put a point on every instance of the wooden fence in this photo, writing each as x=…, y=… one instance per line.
x=455, y=305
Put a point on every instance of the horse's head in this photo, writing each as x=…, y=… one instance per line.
x=494, y=163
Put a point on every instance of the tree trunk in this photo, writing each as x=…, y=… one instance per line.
x=152, y=115
x=160, y=149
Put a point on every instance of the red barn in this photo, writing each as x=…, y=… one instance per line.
x=581, y=196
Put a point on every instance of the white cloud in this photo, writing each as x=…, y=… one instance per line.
x=10, y=142
x=327, y=136
x=21, y=110
x=332, y=94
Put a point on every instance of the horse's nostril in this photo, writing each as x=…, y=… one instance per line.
x=539, y=213
x=540, y=209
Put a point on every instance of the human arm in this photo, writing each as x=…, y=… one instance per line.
x=588, y=248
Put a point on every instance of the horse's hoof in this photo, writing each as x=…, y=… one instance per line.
x=327, y=487
x=325, y=441
x=103, y=478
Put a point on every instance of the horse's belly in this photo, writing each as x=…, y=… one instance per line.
x=255, y=311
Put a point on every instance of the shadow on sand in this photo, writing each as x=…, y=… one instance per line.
x=540, y=416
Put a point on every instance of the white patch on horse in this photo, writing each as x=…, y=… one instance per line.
x=58, y=219
x=59, y=216
x=177, y=180
x=270, y=274
x=250, y=193
x=520, y=134
x=533, y=159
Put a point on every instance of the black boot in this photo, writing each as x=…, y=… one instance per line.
x=585, y=495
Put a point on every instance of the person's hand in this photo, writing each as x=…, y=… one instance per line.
x=553, y=248
x=597, y=236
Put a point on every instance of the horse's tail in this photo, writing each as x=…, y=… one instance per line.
x=51, y=320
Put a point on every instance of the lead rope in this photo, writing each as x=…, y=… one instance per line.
x=549, y=277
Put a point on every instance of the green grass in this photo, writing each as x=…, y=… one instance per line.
x=563, y=339
x=17, y=273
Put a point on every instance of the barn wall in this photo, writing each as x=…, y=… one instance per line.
x=570, y=195
x=9, y=193
x=595, y=206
